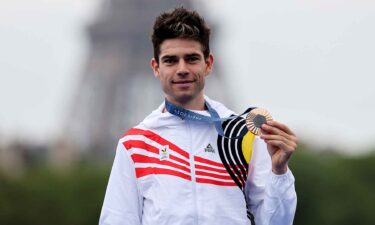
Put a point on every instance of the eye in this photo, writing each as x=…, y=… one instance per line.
x=192, y=59
x=169, y=61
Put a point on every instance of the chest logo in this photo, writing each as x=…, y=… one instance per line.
x=164, y=153
x=209, y=148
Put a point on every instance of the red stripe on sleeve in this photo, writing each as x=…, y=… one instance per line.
x=140, y=144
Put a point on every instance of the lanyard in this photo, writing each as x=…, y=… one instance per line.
x=214, y=117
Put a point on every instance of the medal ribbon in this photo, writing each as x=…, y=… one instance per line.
x=214, y=117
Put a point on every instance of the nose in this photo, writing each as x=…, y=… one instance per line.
x=182, y=69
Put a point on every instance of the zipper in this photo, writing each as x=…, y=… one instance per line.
x=193, y=178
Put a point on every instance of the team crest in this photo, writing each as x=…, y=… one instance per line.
x=164, y=153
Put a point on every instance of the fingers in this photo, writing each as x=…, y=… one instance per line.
x=278, y=134
x=276, y=128
x=281, y=142
x=280, y=126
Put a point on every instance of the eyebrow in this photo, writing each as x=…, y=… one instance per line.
x=185, y=56
x=192, y=55
x=168, y=57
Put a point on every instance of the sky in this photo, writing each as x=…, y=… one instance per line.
x=43, y=48
x=310, y=63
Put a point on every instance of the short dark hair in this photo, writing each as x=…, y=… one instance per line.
x=180, y=23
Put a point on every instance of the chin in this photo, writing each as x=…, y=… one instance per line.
x=184, y=98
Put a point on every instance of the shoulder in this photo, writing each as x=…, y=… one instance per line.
x=139, y=132
x=152, y=125
x=219, y=107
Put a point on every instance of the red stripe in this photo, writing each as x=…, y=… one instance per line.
x=202, y=173
x=241, y=166
x=242, y=175
x=137, y=158
x=158, y=139
x=211, y=169
x=206, y=161
x=143, y=145
x=210, y=162
x=140, y=144
x=179, y=160
x=220, y=183
x=141, y=172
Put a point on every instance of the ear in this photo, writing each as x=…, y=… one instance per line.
x=209, y=64
x=155, y=67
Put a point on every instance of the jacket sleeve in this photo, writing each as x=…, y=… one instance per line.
x=271, y=198
x=122, y=202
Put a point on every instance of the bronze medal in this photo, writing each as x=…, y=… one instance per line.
x=256, y=118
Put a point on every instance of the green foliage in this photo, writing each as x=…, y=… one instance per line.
x=334, y=189
x=331, y=189
x=43, y=196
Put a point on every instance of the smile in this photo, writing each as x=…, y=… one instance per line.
x=183, y=82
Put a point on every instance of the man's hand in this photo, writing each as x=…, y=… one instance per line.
x=281, y=143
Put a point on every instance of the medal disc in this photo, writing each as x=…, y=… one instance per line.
x=256, y=118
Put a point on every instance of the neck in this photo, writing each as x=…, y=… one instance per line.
x=193, y=104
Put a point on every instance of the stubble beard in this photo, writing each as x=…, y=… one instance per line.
x=183, y=98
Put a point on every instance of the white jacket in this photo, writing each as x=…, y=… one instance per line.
x=172, y=171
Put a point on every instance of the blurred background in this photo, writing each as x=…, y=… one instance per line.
x=75, y=75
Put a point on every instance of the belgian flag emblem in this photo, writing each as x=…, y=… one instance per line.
x=236, y=154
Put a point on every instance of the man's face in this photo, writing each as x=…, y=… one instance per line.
x=182, y=69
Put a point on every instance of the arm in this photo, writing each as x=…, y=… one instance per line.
x=122, y=202
x=271, y=198
x=270, y=186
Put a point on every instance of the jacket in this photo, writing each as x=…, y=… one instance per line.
x=173, y=171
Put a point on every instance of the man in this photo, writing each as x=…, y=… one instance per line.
x=175, y=168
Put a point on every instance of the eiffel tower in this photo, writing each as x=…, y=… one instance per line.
x=118, y=89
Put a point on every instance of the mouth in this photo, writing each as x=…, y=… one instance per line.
x=183, y=81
